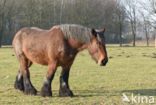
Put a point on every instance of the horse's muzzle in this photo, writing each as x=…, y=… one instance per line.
x=104, y=62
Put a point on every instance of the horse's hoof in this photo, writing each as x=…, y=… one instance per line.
x=19, y=85
x=46, y=92
x=30, y=91
x=66, y=93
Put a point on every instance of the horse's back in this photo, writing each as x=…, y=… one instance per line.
x=27, y=32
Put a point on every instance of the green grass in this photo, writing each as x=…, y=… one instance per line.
x=130, y=70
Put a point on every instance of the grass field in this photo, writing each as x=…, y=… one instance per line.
x=130, y=70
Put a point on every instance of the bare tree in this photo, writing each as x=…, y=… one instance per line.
x=148, y=14
x=153, y=5
x=146, y=28
x=131, y=14
x=120, y=12
x=150, y=10
x=153, y=12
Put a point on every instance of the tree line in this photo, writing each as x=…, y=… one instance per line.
x=117, y=17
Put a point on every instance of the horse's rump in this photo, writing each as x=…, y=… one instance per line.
x=33, y=44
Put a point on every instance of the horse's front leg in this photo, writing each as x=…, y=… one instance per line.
x=46, y=89
x=64, y=86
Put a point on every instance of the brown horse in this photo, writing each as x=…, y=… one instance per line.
x=55, y=47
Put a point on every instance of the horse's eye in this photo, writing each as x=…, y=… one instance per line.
x=99, y=43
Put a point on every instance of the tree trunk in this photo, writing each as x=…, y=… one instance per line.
x=155, y=40
x=2, y=23
x=133, y=32
x=146, y=32
x=120, y=30
x=147, y=40
x=120, y=34
x=2, y=29
x=134, y=26
x=134, y=39
x=0, y=39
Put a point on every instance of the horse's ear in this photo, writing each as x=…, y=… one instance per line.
x=103, y=30
x=94, y=32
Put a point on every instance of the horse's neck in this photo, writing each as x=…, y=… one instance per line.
x=77, y=45
x=84, y=46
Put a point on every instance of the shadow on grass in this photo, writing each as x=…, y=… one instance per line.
x=89, y=93
x=107, y=93
x=145, y=92
x=77, y=93
x=93, y=93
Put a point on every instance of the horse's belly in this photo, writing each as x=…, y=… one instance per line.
x=38, y=58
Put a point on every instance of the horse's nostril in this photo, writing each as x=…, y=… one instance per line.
x=104, y=61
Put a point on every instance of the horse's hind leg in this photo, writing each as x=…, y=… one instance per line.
x=19, y=79
x=64, y=86
x=24, y=65
x=19, y=82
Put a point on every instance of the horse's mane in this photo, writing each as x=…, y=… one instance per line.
x=78, y=32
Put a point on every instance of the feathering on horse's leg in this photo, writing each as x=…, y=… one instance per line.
x=19, y=82
x=64, y=86
x=19, y=79
x=24, y=68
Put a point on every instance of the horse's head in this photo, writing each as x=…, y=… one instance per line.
x=97, y=47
